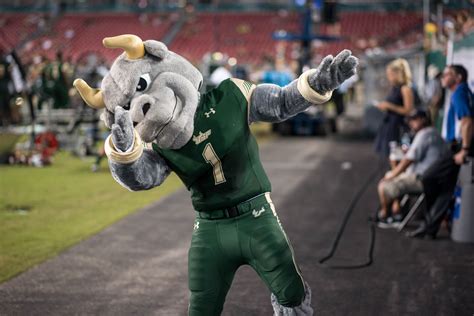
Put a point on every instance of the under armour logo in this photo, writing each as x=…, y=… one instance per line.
x=212, y=111
x=196, y=226
x=256, y=213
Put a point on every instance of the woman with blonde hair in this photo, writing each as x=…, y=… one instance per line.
x=398, y=104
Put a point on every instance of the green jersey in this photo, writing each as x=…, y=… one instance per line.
x=220, y=165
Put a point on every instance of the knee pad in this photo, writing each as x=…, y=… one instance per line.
x=292, y=294
x=302, y=309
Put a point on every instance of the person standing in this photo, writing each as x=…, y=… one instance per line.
x=5, y=95
x=457, y=126
x=398, y=104
x=434, y=93
x=439, y=181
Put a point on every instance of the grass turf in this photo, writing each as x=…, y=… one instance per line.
x=45, y=210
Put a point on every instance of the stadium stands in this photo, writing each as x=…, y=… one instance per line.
x=16, y=27
x=361, y=30
x=76, y=34
x=246, y=36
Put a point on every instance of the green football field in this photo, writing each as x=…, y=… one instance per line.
x=45, y=210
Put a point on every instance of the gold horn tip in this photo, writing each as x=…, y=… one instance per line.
x=107, y=42
x=132, y=44
x=93, y=97
x=78, y=82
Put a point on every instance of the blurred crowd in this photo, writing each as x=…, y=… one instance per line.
x=48, y=82
x=34, y=91
x=423, y=159
x=455, y=26
x=40, y=87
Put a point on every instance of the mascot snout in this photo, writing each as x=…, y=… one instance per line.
x=165, y=110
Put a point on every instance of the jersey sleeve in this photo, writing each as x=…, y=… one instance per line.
x=245, y=87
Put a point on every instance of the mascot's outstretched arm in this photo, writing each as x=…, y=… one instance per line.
x=271, y=103
x=132, y=166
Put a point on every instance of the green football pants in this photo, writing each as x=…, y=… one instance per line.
x=220, y=246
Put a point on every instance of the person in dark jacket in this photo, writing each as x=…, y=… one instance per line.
x=397, y=105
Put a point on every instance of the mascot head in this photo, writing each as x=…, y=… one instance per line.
x=159, y=87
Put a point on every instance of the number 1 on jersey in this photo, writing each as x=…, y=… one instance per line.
x=210, y=156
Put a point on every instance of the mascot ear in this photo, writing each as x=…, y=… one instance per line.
x=155, y=48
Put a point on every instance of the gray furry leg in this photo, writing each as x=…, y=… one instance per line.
x=304, y=309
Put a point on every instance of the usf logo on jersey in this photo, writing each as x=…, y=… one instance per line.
x=201, y=137
x=256, y=213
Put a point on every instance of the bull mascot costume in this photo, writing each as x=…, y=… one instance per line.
x=160, y=123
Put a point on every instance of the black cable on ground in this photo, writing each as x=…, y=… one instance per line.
x=347, y=215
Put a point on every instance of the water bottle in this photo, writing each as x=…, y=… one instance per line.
x=392, y=146
x=405, y=141
x=395, y=152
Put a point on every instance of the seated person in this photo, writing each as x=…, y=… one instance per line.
x=426, y=148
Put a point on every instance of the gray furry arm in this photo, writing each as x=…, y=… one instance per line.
x=149, y=171
x=272, y=103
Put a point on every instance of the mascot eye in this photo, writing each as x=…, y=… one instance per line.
x=143, y=82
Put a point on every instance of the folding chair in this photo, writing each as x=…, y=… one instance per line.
x=413, y=210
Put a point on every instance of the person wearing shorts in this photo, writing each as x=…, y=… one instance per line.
x=426, y=148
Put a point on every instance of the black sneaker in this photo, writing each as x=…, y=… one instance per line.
x=379, y=217
x=387, y=222
x=397, y=218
